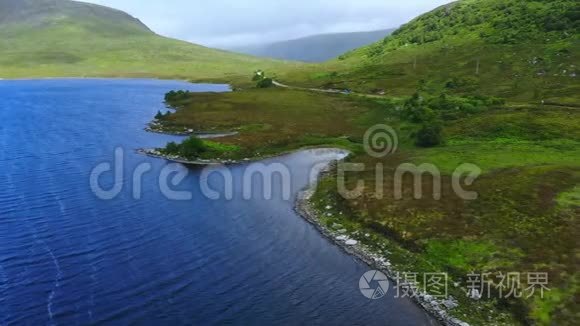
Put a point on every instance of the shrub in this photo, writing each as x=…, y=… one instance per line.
x=451, y=107
x=261, y=80
x=265, y=83
x=258, y=75
x=192, y=147
x=416, y=110
x=177, y=98
x=161, y=116
x=172, y=148
x=375, y=50
x=176, y=95
x=463, y=83
x=430, y=135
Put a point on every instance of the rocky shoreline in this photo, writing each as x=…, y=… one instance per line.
x=158, y=128
x=176, y=159
x=304, y=207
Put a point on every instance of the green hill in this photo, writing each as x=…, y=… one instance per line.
x=68, y=38
x=316, y=48
x=43, y=13
x=521, y=50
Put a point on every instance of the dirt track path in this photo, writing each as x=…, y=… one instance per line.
x=328, y=91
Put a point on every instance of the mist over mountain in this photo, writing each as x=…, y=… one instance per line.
x=316, y=48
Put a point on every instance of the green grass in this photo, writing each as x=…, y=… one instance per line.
x=505, y=138
x=498, y=154
x=148, y=55
x=271, y=121
x=440, y=257
x=220, y=147
x=521, y=56
x=523, y=220
x=570, y=199
x=464, y=255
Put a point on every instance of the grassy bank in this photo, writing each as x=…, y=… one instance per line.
x=524, y=220
x=271, y=121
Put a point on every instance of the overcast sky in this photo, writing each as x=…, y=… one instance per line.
x=231, y=23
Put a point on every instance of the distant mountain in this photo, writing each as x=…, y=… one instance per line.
x=69, y=38
x=315, y=48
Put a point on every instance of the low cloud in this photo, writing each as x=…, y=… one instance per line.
x=229, y=23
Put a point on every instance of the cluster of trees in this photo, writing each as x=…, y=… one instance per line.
x=416, y=110
x=177, y=98
x=431, y=111
x=261, y=80
x=496, y=21
x=177, y=95
x=161, y=116
x=190, y=149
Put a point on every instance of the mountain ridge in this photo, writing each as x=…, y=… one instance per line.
x=43, y=13
x=64, y=38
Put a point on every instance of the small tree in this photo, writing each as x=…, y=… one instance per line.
x=192, y=147
x=258, y=75
x=159, y=115
x=172, y=148
x=261, y=80
x=430, y=135
x=265, y=83
x=170, y=95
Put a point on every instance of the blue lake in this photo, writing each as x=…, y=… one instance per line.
x=68, y=257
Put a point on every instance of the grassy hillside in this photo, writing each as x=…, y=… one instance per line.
x=520, y=50
x=66, y=38
x=315, y=48
x=42, y=13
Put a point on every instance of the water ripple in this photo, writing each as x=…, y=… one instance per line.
x=70, y=258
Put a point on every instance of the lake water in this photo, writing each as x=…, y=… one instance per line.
x=69, y=257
